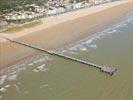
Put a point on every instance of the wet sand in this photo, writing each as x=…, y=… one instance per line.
x=61, y=30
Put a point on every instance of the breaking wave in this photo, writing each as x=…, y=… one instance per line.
x=92, y=41
x=12, y=73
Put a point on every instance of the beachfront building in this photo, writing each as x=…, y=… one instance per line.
x=14, y=16
x=68, y=6
x=3, y=23
x=77, y=5
x=52, y=7
x=95, y=2
x=51, y=11
x=60, y=10
x=80, y=5
x=29, y=11
x=54, y=11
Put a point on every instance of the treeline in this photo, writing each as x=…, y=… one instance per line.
x=7, y=5
x=17, y=5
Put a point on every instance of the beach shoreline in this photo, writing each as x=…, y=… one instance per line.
x=61, y=30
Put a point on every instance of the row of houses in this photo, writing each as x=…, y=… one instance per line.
x=66, y=7
x=54, y=8
x=61, y=8
x=22, y=15
x=3, y=22
x=99, y=1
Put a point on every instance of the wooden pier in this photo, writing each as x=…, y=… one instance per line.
x=106, y=69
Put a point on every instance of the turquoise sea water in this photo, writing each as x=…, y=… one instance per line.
x=47, y=77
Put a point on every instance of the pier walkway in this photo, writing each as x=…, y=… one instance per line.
x=106, y=69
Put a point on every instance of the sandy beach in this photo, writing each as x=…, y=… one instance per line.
x=58, y=31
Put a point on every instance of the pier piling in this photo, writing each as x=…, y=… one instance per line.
x=106, y=69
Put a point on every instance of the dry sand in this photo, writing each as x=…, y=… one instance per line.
x=61, y=30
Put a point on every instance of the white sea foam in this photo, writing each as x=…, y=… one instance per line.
x=93, y=46
x=38, y=61
x=91, y=42
x=11, y=73
x=44, y=85
x=31, y=64
x=18, y=67
x=2, y=79
x=72, y=49
x=75, y=48
x=7, y=86
x=35, y=70
x=22, y=69
x=83, y=49
x=2, y=89
x=41, y=68
x=42, y=59
x=12, y=77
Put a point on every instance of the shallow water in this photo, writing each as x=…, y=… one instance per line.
x=47, y=77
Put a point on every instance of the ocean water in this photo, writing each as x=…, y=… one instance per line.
x=47, y=77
